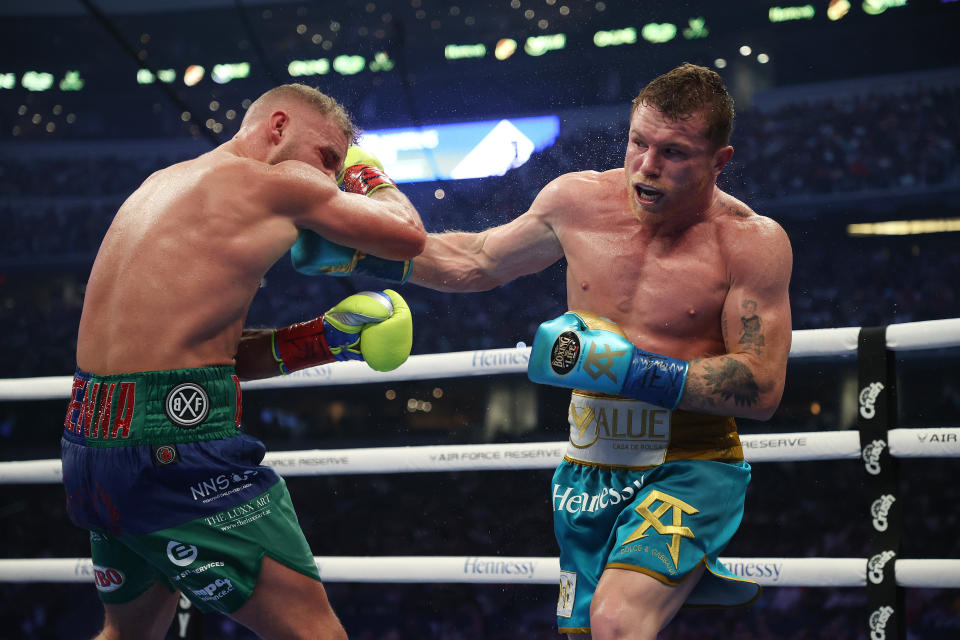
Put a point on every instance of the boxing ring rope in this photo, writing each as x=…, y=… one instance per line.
x=931, y=334
x=932, y=442
x=769, y=572
x=821, y=445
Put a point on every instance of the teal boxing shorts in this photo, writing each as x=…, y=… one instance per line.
x=663, y=522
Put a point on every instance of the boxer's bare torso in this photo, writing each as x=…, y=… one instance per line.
x=179, y=266
x=667, y=291
x=692, y=274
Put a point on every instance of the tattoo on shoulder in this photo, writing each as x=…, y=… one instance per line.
x=751, y=328
x=732, y=379
x=740, y=213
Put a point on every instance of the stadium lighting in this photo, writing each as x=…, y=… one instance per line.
x=224, y=73
x=193, y=75
x=696, y=29
x=837, y=9
x=615, y=37
x=904, y=227
x=349, y=65
x=658, y=33
x=788, y=14
x=460, y=51
x=381, y=62
x=505, y=48
x=876, y=7
x=319, y=67
x=36, y=81
x=539, y=45
x=72, y=81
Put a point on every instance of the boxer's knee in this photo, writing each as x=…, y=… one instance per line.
x=616, y=618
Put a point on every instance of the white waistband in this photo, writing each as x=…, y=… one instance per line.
x=617, y=432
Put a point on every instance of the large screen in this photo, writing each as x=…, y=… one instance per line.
x=460, y=150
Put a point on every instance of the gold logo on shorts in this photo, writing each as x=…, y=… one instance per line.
x=583, y=420
x=568, y=593
x=600, y=363
x=652, y=519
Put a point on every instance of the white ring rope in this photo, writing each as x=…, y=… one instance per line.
x=932, y=334
x=769, y=572
x=933, y=442
x=808, y=572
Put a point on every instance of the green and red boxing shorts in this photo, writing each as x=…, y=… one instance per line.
x=156, y=468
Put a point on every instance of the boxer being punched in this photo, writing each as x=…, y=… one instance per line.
x=679, y=322
x=154, y=463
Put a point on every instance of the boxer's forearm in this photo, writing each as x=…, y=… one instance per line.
x=399, y=206
x=254, y=359
x=734, y=385
x=452, y=262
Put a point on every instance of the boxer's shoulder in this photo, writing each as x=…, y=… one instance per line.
x=570, y=192
x=590, y=180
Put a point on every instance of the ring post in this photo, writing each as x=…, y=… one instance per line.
x=876, y=414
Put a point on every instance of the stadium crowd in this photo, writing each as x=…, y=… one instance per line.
x=56, y=211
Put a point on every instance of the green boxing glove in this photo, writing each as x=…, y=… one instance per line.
x=375, y=326
x=363, y=173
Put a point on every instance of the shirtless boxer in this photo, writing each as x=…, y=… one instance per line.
x=659, y=259
x=154, y=462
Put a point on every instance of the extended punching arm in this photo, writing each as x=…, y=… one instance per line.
x=313, y=254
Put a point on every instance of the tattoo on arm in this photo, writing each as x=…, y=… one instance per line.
x=732, y=379
x=751, y=329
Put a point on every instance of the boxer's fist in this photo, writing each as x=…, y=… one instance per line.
x=363, y=173
x=313, y=254
x=375, y=326
x=581, y=350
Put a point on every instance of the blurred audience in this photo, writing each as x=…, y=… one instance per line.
x=57, y=210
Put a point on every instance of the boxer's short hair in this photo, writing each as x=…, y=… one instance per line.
x=686, y=90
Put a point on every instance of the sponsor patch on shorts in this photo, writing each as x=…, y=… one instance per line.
x=187, y=405
x=568, y=593
x=107, y=579
x=165, y=454
x=181, y=554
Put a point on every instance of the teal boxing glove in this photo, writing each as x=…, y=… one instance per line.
x=312, y=254
x=581, y=350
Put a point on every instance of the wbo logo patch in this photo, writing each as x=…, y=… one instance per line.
x=187, y=405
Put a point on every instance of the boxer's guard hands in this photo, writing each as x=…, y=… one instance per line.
x=375, y=326
x=582, y=350
x=313, y=254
